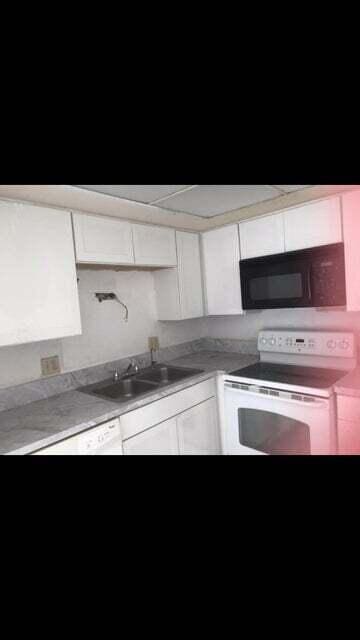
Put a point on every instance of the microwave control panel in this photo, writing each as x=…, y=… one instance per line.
x=331, y=343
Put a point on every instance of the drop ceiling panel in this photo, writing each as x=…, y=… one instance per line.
x=291, y=187
x=144, y=193
x=214, y=199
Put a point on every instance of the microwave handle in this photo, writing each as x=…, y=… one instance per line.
x=309, y=273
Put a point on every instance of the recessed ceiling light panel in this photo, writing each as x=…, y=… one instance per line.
x=144, y=193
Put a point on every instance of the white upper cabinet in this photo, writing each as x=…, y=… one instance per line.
x=221, y=255
x=262, y=236
x=179, y=290
x=102, y=240
x=39, y=295
x=190, y=278
x=312, y=225
x=351, y=224
x=154, y=246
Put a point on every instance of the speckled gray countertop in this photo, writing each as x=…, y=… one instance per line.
x=44, y=422
x=349, y=385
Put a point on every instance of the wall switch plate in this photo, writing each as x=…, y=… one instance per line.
x=50, y=366
x=154, y=344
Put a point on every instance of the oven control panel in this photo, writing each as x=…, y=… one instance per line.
x=317, y=343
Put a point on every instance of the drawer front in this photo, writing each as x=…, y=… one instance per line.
x=161, y=410
x=348, y=408
x=349, y=437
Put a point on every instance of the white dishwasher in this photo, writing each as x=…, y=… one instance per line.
x=104, y=440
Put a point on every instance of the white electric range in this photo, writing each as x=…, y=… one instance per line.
x=285, y=404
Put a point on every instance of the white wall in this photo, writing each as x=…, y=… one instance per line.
x=105, y=334
x=248, y=326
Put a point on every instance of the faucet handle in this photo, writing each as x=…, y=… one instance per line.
x=132, y=368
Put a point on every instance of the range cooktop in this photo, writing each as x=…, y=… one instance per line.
x=314, y=377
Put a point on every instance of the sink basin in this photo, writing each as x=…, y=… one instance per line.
x=121, y=391
x=146, y=380
x=163, y=374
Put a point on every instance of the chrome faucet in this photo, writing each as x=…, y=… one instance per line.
x=132, y=369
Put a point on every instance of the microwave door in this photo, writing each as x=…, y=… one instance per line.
x=275, y=285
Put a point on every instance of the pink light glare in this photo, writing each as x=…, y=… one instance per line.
x=348, y=408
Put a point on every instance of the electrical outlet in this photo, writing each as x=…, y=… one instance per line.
x=154, y=344
x=50, y=366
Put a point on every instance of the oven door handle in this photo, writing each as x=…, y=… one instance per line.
x=312, y=404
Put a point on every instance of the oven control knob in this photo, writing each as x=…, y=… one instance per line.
x=331, y=344
x=344, y=344
x=272, y=342
x=263, y=340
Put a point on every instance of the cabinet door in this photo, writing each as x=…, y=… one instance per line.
x=179, y=291
x=313, y=225
x=221, y=255
x=262, y=237
x=154, y=246
x=39, y=295
x=102, y=240
x=348, y=437
x=351, y=224
x=198, y=430
x=161, y=440
x=189, y=273
x=157, y=412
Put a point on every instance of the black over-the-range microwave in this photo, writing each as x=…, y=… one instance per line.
x=307, y=278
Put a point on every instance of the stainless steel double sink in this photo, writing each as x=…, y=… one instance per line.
x=146, y=381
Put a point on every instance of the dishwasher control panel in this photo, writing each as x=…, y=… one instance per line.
x=104, y=439
x=90, y=442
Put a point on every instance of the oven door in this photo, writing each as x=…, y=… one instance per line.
x=261, y=422
x=276, y=282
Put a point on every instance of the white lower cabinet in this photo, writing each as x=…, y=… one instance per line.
x=160, y=440
x=348, y=437
x=348, y=413
x=192, y=429
x=198, y=430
